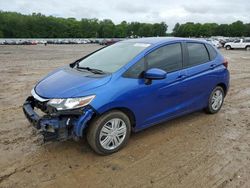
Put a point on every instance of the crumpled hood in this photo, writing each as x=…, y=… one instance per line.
x=67, y=82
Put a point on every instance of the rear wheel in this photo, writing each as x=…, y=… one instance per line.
x=248, y=48
x=228, y=47
x=215, y=100
x=109, y=132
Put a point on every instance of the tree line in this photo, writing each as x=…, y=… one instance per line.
x=16, y=25
x=190, y=29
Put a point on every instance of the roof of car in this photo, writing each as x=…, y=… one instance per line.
x=155, y=40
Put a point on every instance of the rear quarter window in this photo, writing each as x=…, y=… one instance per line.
x=197, y=54
x=212, y=52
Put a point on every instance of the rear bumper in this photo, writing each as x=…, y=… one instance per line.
x=57, y=126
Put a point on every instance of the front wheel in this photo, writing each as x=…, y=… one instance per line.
x=248, y=48
x=109, y=132
x=216, y=100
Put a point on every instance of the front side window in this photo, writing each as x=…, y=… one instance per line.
x=136, y=70
x=197, y=54
x=168, y=58
x=113, y=57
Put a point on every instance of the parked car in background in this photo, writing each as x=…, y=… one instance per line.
x=128, y=86
x=223, y=42
x=103, y=41
x=109, y=41
x=215, y=43
x=238, y=44
x=112, y=41
x=2, y=42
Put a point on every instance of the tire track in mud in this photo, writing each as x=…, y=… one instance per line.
x=174, y=172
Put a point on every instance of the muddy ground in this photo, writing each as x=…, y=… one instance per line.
x=197, y=150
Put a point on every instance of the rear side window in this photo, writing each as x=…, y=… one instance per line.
x=168, y=58
x=212, y=52
x=197, y=54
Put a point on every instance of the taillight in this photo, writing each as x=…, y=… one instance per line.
x=225, y=63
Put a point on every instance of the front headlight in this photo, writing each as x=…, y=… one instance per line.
x=70, y=103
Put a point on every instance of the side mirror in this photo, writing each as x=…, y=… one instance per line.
x=154, y=74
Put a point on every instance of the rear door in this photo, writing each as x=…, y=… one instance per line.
x=199, y=70
x=245, y=43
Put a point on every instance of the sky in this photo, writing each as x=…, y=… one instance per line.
x=148, y=11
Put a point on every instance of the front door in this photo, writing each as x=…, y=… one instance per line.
x=162, y=99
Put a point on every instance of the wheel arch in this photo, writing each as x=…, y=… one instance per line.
x=224, y=87
x=126, y=111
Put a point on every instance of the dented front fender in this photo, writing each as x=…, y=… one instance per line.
x=81, y=124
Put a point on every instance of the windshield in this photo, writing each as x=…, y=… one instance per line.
x=113, y=57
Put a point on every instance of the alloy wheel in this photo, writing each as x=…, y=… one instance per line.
x=217, y=99
x=112, y=134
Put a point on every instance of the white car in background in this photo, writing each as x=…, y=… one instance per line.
x=215, y=43
x=238, y=44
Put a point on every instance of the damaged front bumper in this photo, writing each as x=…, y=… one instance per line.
x=57, y=125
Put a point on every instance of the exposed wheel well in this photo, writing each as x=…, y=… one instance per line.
x=224, y=87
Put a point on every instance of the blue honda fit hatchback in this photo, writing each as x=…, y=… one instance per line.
x=126, y=87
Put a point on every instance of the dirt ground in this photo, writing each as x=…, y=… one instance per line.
x=197, y=150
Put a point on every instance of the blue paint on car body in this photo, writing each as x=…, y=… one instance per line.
x=179, y=92
x=81, y=123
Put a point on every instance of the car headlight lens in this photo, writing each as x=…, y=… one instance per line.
x=70, y=103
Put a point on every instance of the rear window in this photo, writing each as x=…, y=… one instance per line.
x=197, y=54
x=212, y=52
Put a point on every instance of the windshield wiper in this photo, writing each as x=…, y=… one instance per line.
x=95, y=71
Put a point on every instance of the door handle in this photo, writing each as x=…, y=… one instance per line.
x=212, y=66
x=181, y=77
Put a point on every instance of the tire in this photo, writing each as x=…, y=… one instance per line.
x=248, y=48
x=109, y=132
x=216, y=100
x=228, y=48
